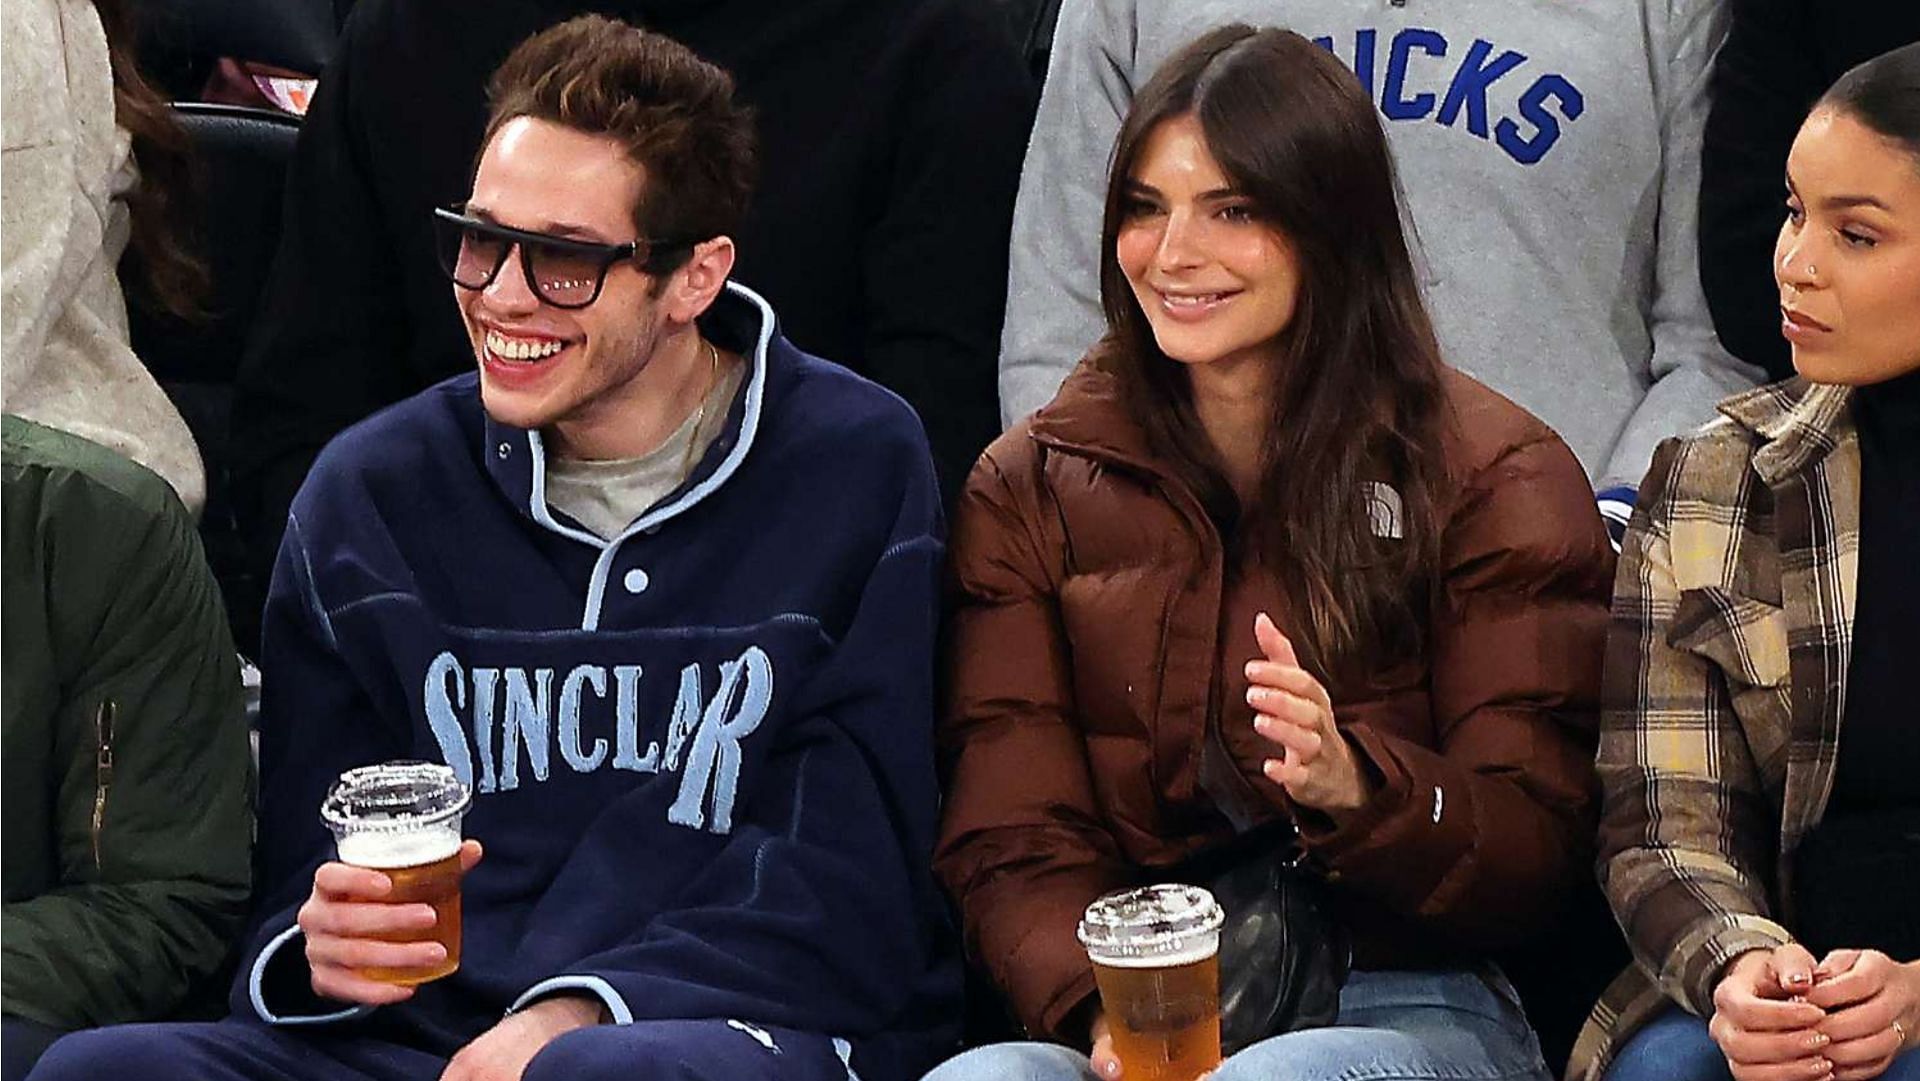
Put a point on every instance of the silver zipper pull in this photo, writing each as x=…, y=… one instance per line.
x=102, y=771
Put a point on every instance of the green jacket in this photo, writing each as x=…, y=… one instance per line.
x=125, y=778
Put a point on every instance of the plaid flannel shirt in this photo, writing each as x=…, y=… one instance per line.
x=1725, y=683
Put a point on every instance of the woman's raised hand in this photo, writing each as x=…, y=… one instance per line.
x=1291, y=709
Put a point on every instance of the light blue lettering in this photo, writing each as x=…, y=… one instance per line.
x=529, y=722
x=485, y=682
x=686, y=715
x=1470, y=85
x=1393, y=100
x=716, y=755
x=1528, y=150
x=586, y=675
x=626, y=738
x=441, y=718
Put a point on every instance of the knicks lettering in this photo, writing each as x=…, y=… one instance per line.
x=501, y=727
x=1420, y=62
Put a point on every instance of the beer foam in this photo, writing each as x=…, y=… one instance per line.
x=1187, y=955
x=380, y=849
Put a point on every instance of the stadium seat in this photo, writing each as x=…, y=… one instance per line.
x=242, y=158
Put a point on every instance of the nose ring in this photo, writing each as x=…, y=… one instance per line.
x=1786, y=262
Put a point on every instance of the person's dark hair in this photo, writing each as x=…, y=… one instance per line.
x=1884, y=94
x=173, y=276
x=674, y=113
x=1358, y=395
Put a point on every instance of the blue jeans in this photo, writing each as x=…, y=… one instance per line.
x=1676, y=1047
x=1393, y=1026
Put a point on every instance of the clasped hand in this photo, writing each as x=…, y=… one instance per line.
x=1779, y=1016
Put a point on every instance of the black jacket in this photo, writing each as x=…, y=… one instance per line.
x=891, y=138
x=1779, y=57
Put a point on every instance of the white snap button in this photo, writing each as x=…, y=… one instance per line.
x=637, y=581
x=505, y=449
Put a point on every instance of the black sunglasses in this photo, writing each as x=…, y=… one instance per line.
x=563, y=272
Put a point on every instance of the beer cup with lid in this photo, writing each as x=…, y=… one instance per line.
x=403, y=820
x=1155, y=954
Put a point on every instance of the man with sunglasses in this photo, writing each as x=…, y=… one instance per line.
x=661, y=590
x=893, y=130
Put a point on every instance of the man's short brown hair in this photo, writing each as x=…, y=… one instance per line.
x=673, y=112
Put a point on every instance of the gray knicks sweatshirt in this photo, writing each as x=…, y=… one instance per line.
x=1550, y=155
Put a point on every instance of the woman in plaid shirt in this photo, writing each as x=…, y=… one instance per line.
x=1766, y=871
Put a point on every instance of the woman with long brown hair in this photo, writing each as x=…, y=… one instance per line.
x=1266, y=561
x=94, y=162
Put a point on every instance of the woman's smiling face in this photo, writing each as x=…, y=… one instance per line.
x=1217, y=283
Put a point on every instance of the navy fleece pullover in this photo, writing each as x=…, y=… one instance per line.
x=701, y=752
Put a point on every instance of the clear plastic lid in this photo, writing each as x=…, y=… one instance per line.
x=1159, y=925
x=395, y=797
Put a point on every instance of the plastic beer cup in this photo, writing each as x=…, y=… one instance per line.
x=1155, y=954
x=403, y=820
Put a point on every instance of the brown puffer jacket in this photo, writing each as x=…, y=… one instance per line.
x=1097, y=634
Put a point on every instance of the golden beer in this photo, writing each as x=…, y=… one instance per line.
x=436, y=884
x=1155, y=954
x=1165, y=1021
x=403, y=820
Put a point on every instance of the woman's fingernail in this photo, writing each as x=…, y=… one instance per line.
x=1818, y=1040
x=1821, y=1067
x=1798, y=979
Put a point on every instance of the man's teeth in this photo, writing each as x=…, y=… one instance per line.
x=519, y=349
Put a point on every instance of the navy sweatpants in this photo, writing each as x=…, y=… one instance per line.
x=241, y=1050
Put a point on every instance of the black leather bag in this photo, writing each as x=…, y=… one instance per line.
x=1283, y=957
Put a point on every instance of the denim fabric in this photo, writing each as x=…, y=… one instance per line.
x=1393, y=1026
x=1675, y=1047
x=1672, y=1047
